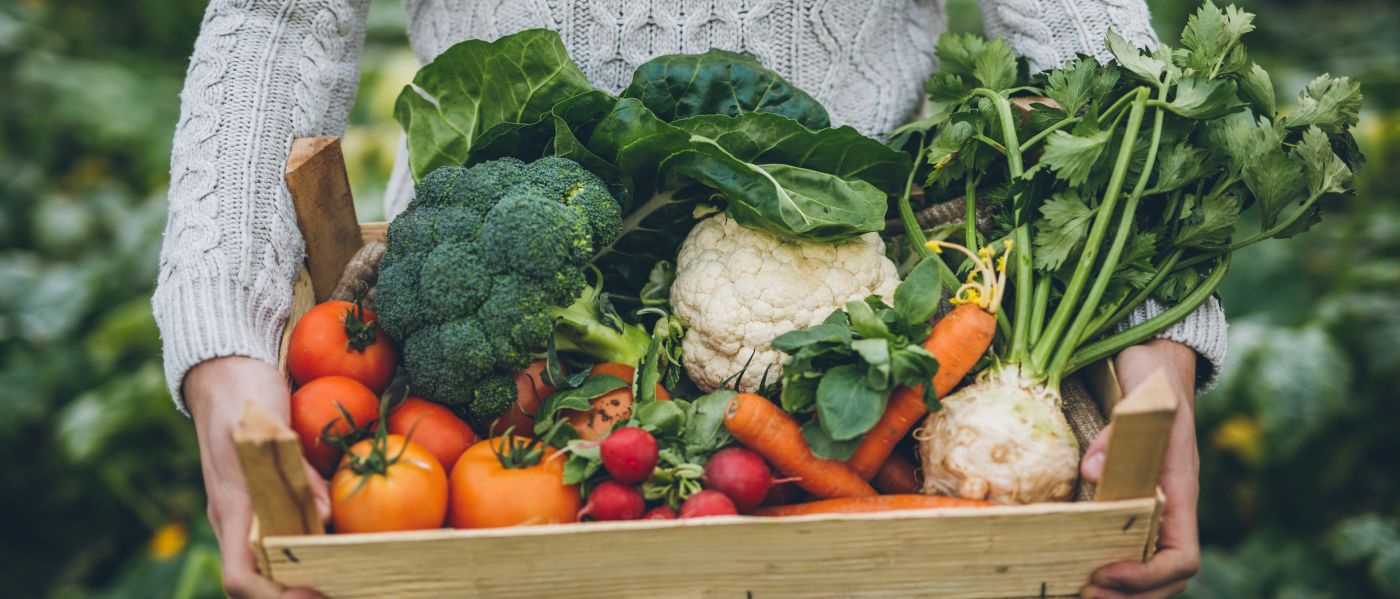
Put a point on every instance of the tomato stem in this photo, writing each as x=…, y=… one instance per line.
x=359, y=333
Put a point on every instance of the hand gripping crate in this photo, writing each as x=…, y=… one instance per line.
x=1040, y=550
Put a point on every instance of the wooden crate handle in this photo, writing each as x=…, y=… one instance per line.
x=325, y=209
x=1142, y=423
x=277, y=484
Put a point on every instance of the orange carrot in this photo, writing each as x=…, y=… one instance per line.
x=958, y=340
x=765, y=428
x=898, y=475
x=861, y=505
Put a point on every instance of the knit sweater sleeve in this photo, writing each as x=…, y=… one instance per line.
x=1049, y=33
x=262, y=73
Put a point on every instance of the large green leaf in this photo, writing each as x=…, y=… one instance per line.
x=678, y=86
x=846, y=403
x=476, y=85
x=765, y=138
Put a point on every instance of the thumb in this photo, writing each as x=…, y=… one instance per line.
x=1091, y=467
x=319, y=492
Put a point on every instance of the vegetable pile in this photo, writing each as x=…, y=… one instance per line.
x=679, y=302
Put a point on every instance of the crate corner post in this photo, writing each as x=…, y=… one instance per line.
x=1142, y=422
x=278, y=487
x=325, y=209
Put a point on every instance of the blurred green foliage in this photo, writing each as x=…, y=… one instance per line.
x=1300, y=497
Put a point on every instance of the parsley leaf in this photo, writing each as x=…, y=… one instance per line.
x=1072, y=157
x=1211, y=223
x=1079, y=82
x=1326, y=172
x=1332, y=104
x=1275, y=179
x=1258, y=89
x=1200, y=98
x=1213, y=36
x=992, y=63
x=1061, y=230
x=1144, y=67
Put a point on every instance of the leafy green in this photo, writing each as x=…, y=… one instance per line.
x=825, y=447
x=720, y=82
x=1135, y=187
x=476, y=85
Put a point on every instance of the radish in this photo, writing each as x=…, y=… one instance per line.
x=741, y=474
x=629, y=454
x=708, y=503
x=612, y=500
x=660, y=512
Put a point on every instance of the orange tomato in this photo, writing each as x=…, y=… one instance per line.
x=434, y=427
x=317, y=405
x=333, y=338
x=530, y=392
x=491, y=492
x=405, y=490
x=610, y=407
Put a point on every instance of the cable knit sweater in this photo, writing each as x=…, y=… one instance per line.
x=266, y=71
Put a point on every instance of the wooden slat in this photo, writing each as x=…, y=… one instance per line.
x=1101, y=378
x=276, y=477
x=1026, y=551
x=374, y=231
x=325, y=209
x=1142, y=423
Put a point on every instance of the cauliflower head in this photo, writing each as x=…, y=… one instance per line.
x=738, y=288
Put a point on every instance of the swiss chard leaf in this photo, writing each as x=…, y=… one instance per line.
x=763, y=138
x=787, y=201
x=678, y=86
x=475, y=85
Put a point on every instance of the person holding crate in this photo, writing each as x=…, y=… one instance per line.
x=263, y=73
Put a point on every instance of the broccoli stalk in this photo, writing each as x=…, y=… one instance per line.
x=590, y=326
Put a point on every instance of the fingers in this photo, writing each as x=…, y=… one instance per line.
x=1091, y=467
x=1168, y=567
x=319, y=491
x=1096, y=592
x=241, y=578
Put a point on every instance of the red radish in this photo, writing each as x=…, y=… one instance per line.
x=708, y=503
x=660, y=512
x=741, y=474
x=612, y=500
x=629, y=454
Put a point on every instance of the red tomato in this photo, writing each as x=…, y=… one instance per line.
x=317, y=405
x=407, y=493
x=333, y=338
x=434, y=427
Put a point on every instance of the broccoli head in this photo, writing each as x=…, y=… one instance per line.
x=485, y=265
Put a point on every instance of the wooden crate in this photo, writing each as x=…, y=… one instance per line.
x=1015, y=551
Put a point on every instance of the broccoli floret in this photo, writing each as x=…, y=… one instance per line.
x=485, y=265
x=581, y=191
x=492, y=396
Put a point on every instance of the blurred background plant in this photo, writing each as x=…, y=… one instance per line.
x=1300, y=493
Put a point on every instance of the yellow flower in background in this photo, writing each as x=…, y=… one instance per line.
x=1241, y=436
x=169, y=541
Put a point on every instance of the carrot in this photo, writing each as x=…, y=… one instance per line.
x=861, y=505
x=897, y=475
x=765, y=428
x=958, y=340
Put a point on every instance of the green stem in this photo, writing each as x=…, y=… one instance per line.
x=915, y=234
x=1039, y=137
x=990, y=142
x=1039, y=301
x=1110, y=261
x=1049, y=339
x=1111, y=345
x=1020, y=325
x=1100, y=326
x=970, y=216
